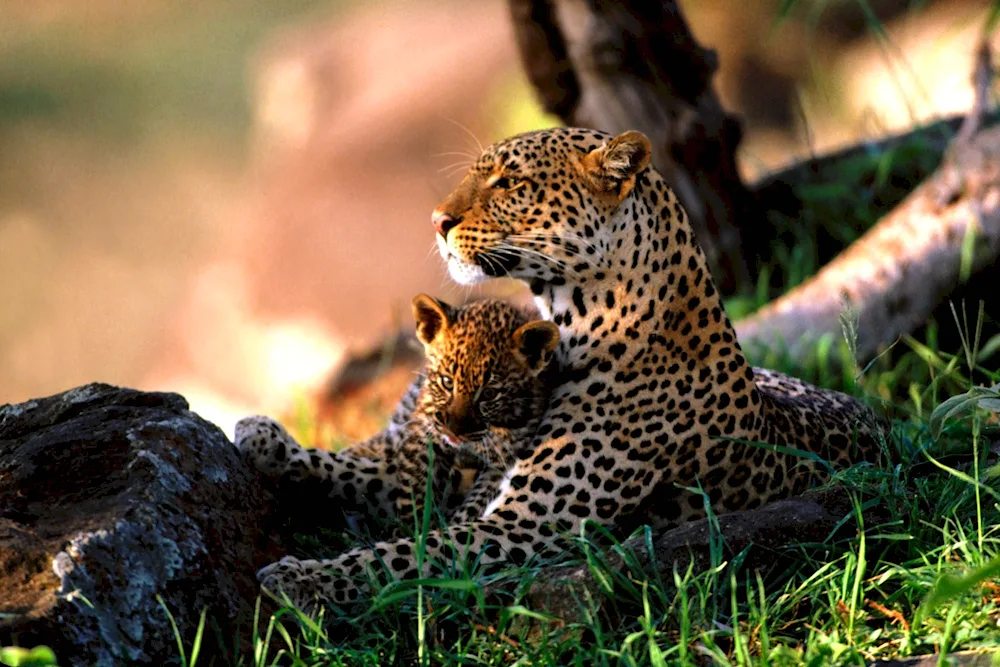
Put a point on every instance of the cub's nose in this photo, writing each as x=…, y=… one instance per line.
x=443, y=222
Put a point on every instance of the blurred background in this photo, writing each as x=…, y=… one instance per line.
x=222, y=198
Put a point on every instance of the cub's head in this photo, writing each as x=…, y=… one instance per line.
x=538, y=206
x=489, y=371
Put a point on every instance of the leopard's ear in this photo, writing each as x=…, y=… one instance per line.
x=432, y=316
x=534, y=343
x=613, y=168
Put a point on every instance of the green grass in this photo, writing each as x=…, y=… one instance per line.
x=40, y=656
x=922, y=580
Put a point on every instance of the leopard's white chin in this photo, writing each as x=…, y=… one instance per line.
x=465, y=273
x=462, y=272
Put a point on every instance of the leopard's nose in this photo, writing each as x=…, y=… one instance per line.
x=443, y=222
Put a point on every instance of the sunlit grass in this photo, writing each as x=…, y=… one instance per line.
x=923, y=579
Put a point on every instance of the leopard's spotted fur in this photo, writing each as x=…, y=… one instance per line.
x=486, y=382
x=656, y=397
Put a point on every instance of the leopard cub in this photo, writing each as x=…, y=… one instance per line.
x=486, y=383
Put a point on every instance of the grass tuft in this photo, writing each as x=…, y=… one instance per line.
x=922, y=578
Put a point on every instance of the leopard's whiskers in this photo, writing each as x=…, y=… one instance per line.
x=493, y=262
x=469, y=132
x=570, y=251
x=465, y=154
x=562, y=236
x=501, y=451
x=569, y=247
x=433, y=249
x=522, y=251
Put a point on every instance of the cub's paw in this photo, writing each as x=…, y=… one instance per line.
x=267, y=446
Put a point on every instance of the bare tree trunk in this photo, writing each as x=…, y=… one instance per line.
x=897, y=273
x=620, y=66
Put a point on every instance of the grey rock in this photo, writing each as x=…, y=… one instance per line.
x=112, y=499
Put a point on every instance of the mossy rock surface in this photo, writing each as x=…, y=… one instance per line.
x=110, y=500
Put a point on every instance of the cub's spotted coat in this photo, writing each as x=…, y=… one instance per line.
x=656, y=395
x=486, y=383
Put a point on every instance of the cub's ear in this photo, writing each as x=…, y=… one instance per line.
x=534, y=343
x=612, y=168
x=432, y=317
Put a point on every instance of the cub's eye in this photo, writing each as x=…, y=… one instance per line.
x=446, y=383
x=488, y=393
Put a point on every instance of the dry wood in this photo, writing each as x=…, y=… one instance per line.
x=897, y=274
x=812, y=517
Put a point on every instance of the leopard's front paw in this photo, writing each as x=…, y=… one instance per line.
x=267, y=445
x=289, y=577
x=309, y=584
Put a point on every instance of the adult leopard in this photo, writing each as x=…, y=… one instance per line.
x=657, y=397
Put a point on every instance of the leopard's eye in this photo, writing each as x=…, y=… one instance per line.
x=508, y=183
x=446, y=382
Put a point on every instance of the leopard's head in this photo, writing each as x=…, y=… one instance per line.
x=489, y=371
x=539, y=206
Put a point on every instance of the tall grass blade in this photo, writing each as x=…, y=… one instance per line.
x=949, y=586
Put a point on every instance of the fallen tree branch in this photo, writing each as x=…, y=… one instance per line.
x=897, y=273
x=935, y=137
x=812, y=517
